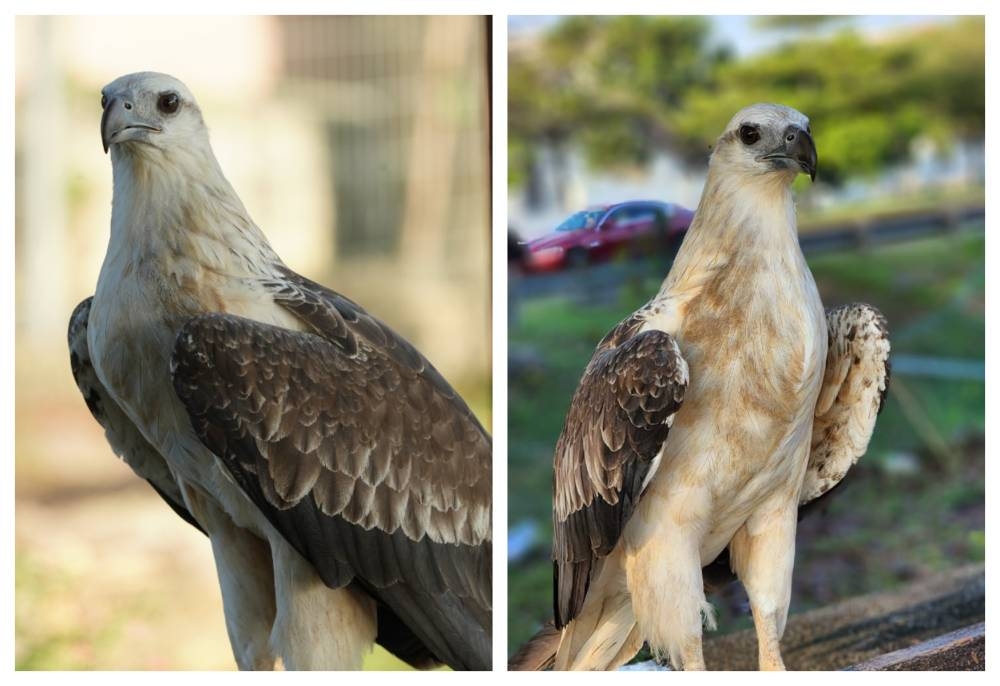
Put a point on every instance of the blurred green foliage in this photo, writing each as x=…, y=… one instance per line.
x=795, y=21
x=623, y=87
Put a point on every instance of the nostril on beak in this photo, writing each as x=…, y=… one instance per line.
x=790, y=137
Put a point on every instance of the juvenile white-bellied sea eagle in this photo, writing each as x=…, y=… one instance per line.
x=344, y=486
x=706, y=419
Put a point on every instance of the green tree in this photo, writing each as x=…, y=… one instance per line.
x=623, y=87
x=867, y=100
x=796, y=21
x=606, y=84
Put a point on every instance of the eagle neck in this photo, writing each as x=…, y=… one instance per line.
x=737, y=219
x=171, y=207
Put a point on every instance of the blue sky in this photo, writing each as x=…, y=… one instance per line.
x=747, y=39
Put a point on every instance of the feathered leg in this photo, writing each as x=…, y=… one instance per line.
x=668, y=597
x=317, y=627
x=763, y=553
x=243, y=563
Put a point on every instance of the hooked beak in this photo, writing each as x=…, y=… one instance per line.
x=121, y=123
x=798, y=148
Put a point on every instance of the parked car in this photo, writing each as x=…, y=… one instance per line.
x=597, y=234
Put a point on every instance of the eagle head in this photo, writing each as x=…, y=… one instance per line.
x=147, y=110
x=767, y=139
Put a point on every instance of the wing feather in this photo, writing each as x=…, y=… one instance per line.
x=366, y=461
x=853, y=393
x=616, y=426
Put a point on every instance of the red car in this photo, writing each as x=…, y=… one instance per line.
x=634, y=228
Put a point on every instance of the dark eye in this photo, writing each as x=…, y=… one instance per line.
x=168, y=103
x=104, y=101
x=749, y=134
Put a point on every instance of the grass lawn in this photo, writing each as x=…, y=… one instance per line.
x=914, y=504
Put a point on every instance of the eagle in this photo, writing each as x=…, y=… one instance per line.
x=344, y=486
x=705, y=421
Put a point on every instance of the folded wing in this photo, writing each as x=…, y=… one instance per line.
x=360, y=454
x=608, y=450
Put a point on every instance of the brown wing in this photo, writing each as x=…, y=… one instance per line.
x=855, y=383
x=124, y=437
x=360, y=454
x=616, y=425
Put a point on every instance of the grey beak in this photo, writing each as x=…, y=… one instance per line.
x=119, y=118
x=800, y=147
x=108, y=124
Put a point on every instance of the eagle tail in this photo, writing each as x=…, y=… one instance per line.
x=539, y=653
x=604, y=635
x=607, y=641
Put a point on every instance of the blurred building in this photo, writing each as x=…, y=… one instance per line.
x=358, y=144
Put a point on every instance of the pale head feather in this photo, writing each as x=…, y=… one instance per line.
x=747, y=202
x=732, y=155
x=171, y=198
x=180, y=131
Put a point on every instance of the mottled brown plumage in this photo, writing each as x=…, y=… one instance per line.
x=855, y=383
x=341, y=418
x=617, y=423
x=342, y=443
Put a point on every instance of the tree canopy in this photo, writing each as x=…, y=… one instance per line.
x=622, y=88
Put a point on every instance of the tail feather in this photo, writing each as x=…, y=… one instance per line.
x=571, y=581
x=604, y=634
x=604, y=640
x=539, y=653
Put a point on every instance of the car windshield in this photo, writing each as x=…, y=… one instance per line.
x=587, y=219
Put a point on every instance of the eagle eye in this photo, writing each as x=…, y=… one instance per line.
x=749, y=134
x=168, y=103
